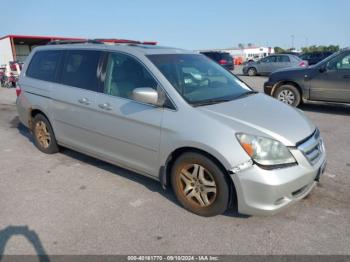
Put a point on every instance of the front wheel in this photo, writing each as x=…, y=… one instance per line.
x=200, y=185
x=289, y=95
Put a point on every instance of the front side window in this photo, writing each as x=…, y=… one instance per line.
x=340, y=62
x=124, y=74
x=198, y=79
x=44, y=65
x=80, y=69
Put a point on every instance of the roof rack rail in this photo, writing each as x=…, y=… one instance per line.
x=116, y=41
x=66, y=42
x=124, y=41
x=101, y=41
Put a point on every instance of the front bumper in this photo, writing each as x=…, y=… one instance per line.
x=266, y=192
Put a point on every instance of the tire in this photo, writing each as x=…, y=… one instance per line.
x=44, y=137
x=288, y=94
x=252, y=71
x=200, y=185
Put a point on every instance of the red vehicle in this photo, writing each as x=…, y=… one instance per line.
x=2, y=75
x=13, y=65
x=11, y=81
x=8, y=81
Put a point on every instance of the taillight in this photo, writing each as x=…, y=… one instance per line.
x=302, y=64
x=223, y=62
x=18, y=90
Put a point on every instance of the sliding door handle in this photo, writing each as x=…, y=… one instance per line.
x=84, y=101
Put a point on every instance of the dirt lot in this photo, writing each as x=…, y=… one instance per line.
x=69, y=203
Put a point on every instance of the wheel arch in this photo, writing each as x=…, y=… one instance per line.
x=165, y=170
x=32, y=113
x=286, y=82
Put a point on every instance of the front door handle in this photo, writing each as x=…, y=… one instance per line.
x=105, y=106
x=84, y=101
x=347, y=76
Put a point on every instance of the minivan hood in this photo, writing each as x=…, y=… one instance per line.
x=262, y=115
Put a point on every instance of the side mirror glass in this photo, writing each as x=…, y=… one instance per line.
x=146, y=95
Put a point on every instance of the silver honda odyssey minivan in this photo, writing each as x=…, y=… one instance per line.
x=175, y=116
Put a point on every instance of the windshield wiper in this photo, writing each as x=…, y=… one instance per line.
x=211, y=102
x=246, y=94
x=222, y=100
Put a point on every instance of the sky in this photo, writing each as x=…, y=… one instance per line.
x=189, y=24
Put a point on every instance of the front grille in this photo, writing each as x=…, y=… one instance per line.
x=312, y=148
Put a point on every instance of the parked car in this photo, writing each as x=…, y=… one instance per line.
x=175, y=116
x=327, y=81
x=13, y=65
x=315, y=57
x=272, y=63
x=2, y=76
x=222, y=58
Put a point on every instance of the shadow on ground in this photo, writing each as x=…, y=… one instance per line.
x=327, y=109
x=149, y=183
x=30, y=235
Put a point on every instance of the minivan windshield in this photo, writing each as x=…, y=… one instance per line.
x=198, y=79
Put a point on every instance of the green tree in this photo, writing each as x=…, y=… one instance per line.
x=333, y=48
x=320, y=48
x=279, y=50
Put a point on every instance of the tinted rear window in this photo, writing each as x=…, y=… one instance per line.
x=226, y=56
x=80, y=69
x=44, y=64
x=283, y=59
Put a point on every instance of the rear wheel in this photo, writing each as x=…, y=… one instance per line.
x=288, y=94
x=252, y=71
x=200, y=185
x=44, y=138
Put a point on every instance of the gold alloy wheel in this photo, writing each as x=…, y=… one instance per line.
x=42, y=134
x=197, y=185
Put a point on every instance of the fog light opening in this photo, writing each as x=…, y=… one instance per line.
x=280, y=201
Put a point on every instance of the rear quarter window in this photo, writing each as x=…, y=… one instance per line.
x=283, y=59
x=44, y=64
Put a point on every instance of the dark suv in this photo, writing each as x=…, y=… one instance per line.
x=315, y=57
x=327, y=81
x=222, y=58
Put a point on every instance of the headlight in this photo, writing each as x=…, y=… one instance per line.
x=265, y=151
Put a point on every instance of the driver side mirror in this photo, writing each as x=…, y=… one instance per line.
x=146, y=95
